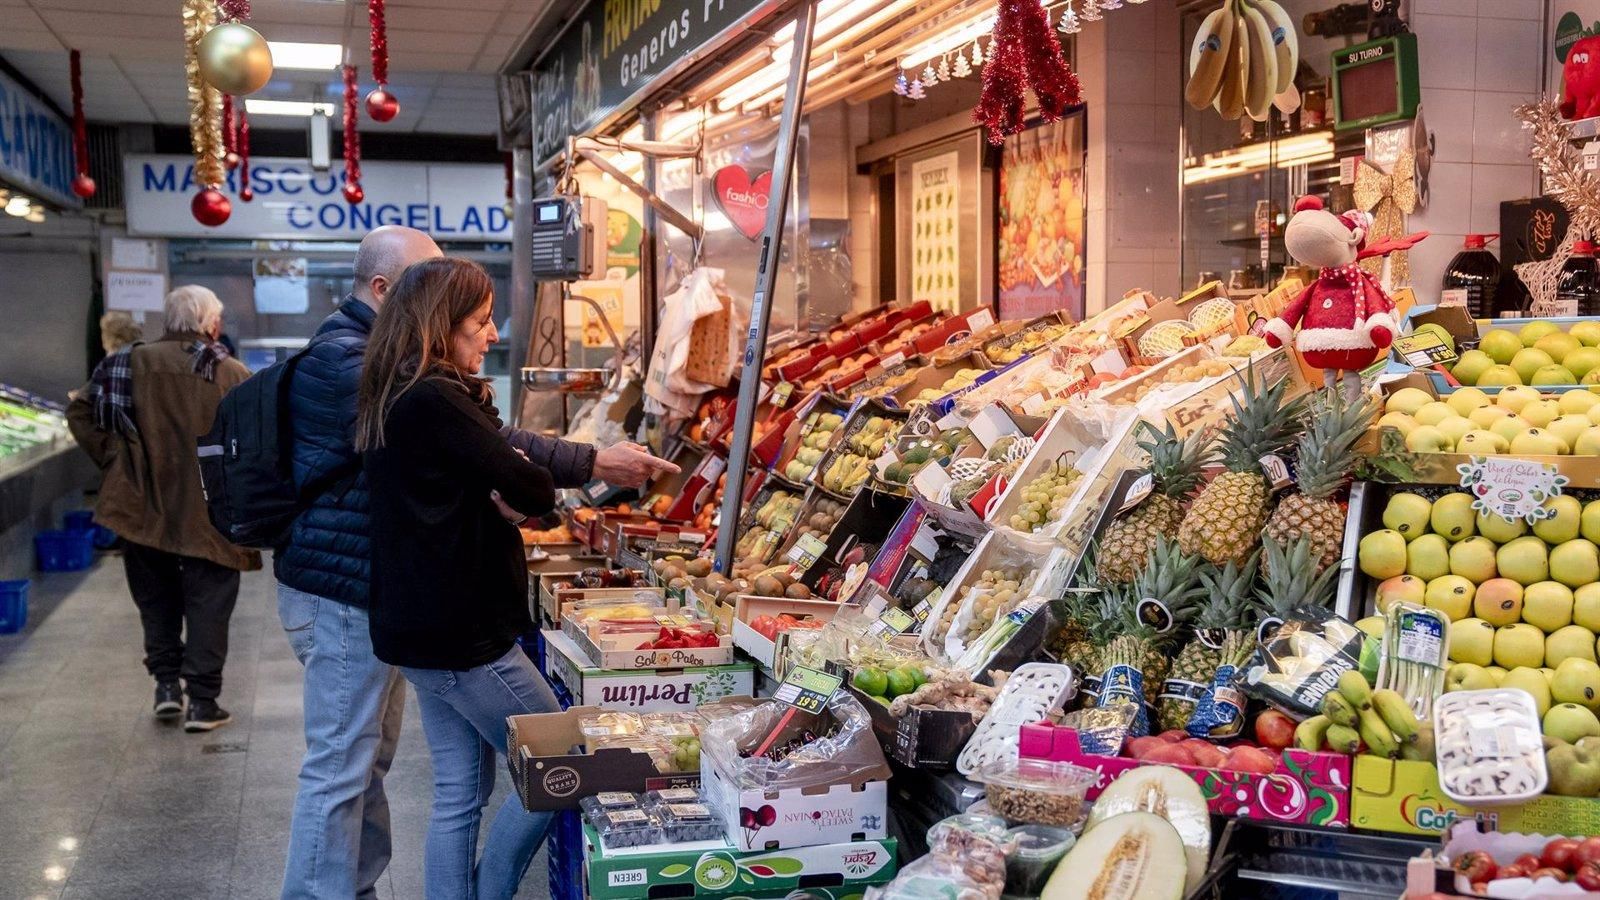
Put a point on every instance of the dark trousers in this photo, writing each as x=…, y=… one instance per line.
x=175, y=591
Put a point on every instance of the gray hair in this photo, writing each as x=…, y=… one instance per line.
x=118, y=330
x=192, y=308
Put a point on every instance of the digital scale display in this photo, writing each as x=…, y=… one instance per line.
x=547, y=213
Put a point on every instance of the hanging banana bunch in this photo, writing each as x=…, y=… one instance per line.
x=1243, y=61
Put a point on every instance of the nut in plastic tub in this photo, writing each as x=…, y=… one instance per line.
x=1035, y=851
x=1489, y=746
x=1036, y=791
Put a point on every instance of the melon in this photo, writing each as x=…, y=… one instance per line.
x=1132, y=856
x=1170, y=794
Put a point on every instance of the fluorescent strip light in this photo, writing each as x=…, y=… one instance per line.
x=685, y=124
x=297, y=55
x=17, y=206
x=300, y=108
x=1296, y=150
x=950, y=40
x=816, y=71
x=827, y=23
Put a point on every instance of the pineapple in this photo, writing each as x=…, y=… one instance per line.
x=1289, y=578
x=1228, y=607
x=1224, y=522
x=1325, y=454
x=1174, y=468
x=1170, y=577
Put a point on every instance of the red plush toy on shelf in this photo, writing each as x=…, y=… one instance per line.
x=1345, y=319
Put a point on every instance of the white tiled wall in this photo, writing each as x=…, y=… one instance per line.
x=1478, y=60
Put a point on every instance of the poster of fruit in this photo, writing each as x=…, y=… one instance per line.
x=1042, y=221
x=936, y=231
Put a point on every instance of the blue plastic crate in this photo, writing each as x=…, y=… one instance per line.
x=79, y=520
x=565, y=851
x=13, y=606
x=64, y=551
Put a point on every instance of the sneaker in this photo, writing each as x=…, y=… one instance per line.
x=205, y=715
x=169, y=700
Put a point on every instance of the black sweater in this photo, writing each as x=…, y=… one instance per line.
x=449, y=581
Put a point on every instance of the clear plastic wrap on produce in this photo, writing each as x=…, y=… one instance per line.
x=629, y=827
x=1301, y=661
x=961, y=864
x=844, y=748
x=606, y=801
x=691, y=821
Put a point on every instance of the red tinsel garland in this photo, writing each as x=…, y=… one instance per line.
x=230, y=134
x=243, y=144
x=233, y=10
x=381, y=105
x=352, y=141
x=1023, y=54
x=82, y=185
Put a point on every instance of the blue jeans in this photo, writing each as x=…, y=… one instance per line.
x=464, y=715
x=339, y=837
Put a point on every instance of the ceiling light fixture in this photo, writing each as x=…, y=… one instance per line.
x=298, y=55
x=299, y=108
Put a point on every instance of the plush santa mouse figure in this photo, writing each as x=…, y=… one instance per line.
x=1345, y=319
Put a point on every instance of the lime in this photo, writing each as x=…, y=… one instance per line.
x=917, y=675
x=869, y=680
x=900, y=682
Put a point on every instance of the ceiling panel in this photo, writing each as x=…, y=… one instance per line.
x=443, y=20
x=70, y=22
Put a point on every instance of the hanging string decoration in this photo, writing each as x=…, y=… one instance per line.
x=1091, y=11
x=381, y=105
x=235, y=58
x=962, y=68
x=1069, y=23
x=1023, y=54
x=82, y=184
x=944, y=68
x=209, y=207
x=977, y=54
x=929, y=77
x=901, y=85
x=1568, y=182
x=230, y=134
x=916, y=91
x=352, y=141
x=1109, y=4
x=246, y=194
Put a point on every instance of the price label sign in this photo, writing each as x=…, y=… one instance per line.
x=922, y=611
x=807, y=689
x=674, y=621
x=596, y=489
x=892, y=622
x=781, y=394
x=1137, y=491
x=1512, y=488
x=807, y=550
x=1424, y=350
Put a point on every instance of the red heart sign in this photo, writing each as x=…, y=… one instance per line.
x=743, y=201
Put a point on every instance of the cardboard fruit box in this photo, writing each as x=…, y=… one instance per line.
x=707, y=869
x=766, y=652
x=1307, y=789
x=849, y=811
x=1405, y=797
x=549, y=776
x=642, y=690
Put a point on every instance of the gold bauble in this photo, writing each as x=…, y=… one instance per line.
x=235, y=59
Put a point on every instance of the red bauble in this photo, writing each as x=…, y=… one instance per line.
x=231, y=160
x=210, y=208
x=246, y=195
x=382, y=106
x=353, y=192
x=83, y=186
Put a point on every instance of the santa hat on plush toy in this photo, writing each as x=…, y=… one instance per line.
x=1358, y=221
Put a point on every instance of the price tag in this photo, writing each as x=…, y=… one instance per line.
x=1511, y=488
x=892, y=360
x=781, y=394
x=1591, y=156
x=1423, y=350
x=596, y=489
x=1139, y=490
x=807, y=550
x=807, y=689
x=892, y=622
x=1453, y=297
x=980, y=320
x=674, y=621
x=923, y=610
x=1277, y=472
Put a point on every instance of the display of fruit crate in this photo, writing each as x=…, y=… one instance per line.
x=924, y=738
x=1404, y=796
x=705, y=870
x=1508, y=338
x=1068, y=440
x=868, y=429
x=750, y=611
x=1034, y=335
x=823, y=413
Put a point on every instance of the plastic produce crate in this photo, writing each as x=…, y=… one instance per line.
x=564, y=849
x=64, y=551
x=13, y=606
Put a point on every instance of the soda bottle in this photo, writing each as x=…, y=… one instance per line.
x=1472, y=278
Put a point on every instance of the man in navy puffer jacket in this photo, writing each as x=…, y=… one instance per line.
x=339, y=836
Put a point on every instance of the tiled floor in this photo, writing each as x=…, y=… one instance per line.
x=99, y=800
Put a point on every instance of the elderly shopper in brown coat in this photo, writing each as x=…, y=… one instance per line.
x=138, y=419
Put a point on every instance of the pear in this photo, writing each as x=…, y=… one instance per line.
x=1569, y=642
x=1504, y=531
x=1455, y=428
x=1428, y=439
x=1473, y=559
x=1497, y=673
x=1566, y=513
x=1508, y=428
x=1531, y=442
x=1588, y=443
x=1398, y=421
x=1540, y=413
x=1484, y=416
x=1574, y=402
x=1574, y=769
x=1484, y=443
x=1568, y=722
x=1472, y=641
x=1515, y=397
x=1433, y=412
x=1569, y=428
x=1575, y=563
x=1498, y=601
x=1557, y=345
x=1499, y=345
x=1382, y=554
x=1580, y=362
x=1531, y=682
x=1577, y=681
x=1524, y=560
x=1528, y=361
x=1428, y=557
x=1551, y=375
x=1453, y=517
x=1408, y=514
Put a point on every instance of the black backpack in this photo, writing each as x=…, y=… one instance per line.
x=247, y=464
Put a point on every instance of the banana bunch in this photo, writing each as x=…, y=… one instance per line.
x=1243, y=61
x=1354, y=715
x=846, y=473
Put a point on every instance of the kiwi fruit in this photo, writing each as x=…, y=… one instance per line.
x=768, y=586
x=797, y=591
x=783, y=576
x=699, y=567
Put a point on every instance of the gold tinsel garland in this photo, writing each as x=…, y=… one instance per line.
x=1565, y=180
x=205, y=101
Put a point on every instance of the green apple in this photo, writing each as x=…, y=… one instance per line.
x=1525, y=560
x=1467, y=677
x=1408, y=514
x=1547, y=605
x=1568, y=722
x=1452, y=517
x=1500, y=345
x=1499, y=529
x=1427, y=439
x=1587, y=333
x=1569, y=427
x=1473, y=559
x=1568, y=642
x=1588, y=443
x=1518, y=645
x=1465, y=400
x=1575, y=563
x=1516, y=397
x=1579, y=402
x=1581, y=362
x=1499, y=376
x=1428, y=557
x=1433, y=412
x=1497, y=673
x=1553, y=374
x=1405, y=589
x=1586, y=607
x=1558, y=345
x=1408, y=401
x=1533, y=442
x=1591, y=378
x=1530, y=333
x=1565, y=515
x=1577, y=681
x=1528, y=361
x=1484, y=416
x=1470, y=367
x=1455, y=428
x=1382, y=554
x=1498, y=601
x=1508, y=428
x=1471, y=641
x=1398, y=421
x=1451, y=595
x=1483, y=443
x=1529, y=680
x=1589, y=522
x=1540, y=413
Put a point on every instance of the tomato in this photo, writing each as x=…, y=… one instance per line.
x=1549, y=872
x=1560, y=853
x=1475, y=865
x=1588, y=876
x=1589, y=850
x=1515, y=870
x=1528, y=862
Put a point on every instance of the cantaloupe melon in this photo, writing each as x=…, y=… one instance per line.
x=1134, y=856
x=1170, y=794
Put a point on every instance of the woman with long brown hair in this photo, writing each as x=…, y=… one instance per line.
x=449, y=583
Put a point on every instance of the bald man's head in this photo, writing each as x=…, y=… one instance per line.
x=384, y=254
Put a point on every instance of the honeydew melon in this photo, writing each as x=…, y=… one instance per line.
x=1171, y=794
x=1132, y=856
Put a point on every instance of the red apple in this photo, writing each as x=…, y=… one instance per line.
x=1274, y=729
x=1170, y=754
x=1251, y=759
x=1140, y=747
x=1560, y=853
x=1173, y=735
